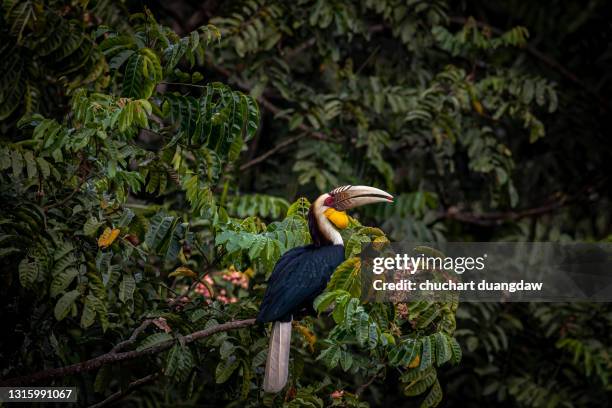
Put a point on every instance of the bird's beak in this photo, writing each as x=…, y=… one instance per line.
x=348, y=197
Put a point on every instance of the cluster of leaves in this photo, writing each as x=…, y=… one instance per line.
x=572, y=371
x=413, y=338
x=250, y=241
x=256, y=205
x=43, y=49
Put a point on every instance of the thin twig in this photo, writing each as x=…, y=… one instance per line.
x=74, y=191
x=112, y=357
x=289, y=54
x=270, y=152
x=133, y=337
x=363, y=387
x=367, y=60
x=120, y=394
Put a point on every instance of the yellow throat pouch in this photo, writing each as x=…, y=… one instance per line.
x=339, y=218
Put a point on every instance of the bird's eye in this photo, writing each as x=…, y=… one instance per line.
x=329, y=201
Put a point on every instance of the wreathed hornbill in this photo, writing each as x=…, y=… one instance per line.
x=302, y=273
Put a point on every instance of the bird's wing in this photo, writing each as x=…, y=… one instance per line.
x=298, y=277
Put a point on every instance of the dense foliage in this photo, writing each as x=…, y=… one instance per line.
x=152, y=174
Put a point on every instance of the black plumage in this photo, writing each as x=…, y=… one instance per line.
x=299, y=276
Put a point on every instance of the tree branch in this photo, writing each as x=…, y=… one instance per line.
x=270, y=152
x=365, y=385
x=132, y=339
x=120, y=394
x=492, y=219
x=113, y=357
x=497, y=218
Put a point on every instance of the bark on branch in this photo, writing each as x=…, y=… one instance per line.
x=496, y=218
x=493, y=219
x=113, y=356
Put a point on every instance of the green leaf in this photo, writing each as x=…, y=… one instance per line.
x=346, y=360
x=256, y=247
x=133, y=79
x=118, y=60
x=154, y=340
x=372, y=335
x=158, y=230
x=426, y=353
x=62, y=280
x=103, y=378
x=456, y=350
x=225, y=369
x=434, y=396
x=259, y=359
x=247, y=374
x=89, y=311
x=31, y=169
x=8, y=251
x=16, y=163
x=347, y=276
x=64, y=304
x=98, y=305
x=28, y=272
x=355, y=243
x=299, y=208
x=90, y=228
x=330, y=356
x=443, y=348
x=20, y=15
x=226, y=350
x=179, y=362
x=126, y=288
x=421, y=383
x=412, y=349
x=362, y=328
x=126, y=218
x=197, y=315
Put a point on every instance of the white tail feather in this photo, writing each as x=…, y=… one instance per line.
x=277, y=364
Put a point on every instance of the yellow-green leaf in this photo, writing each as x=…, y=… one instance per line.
x=183, y=271
x=108, y=237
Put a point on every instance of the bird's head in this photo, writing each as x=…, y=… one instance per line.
x=333, y=205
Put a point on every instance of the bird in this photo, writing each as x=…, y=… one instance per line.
x=302, y=273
